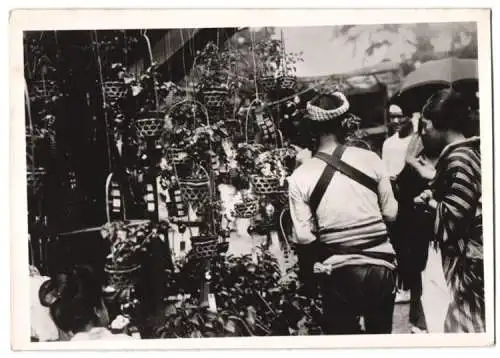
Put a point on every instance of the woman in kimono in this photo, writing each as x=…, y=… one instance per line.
x=454, y=195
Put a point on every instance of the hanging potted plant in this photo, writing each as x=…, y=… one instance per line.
x=268, y=58
x=115, y=81
x=213, y=81
x=246, y=203
x=128, y=246
x=287, y=80
x=150, y=121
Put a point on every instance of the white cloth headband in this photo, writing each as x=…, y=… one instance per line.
x=321, y=115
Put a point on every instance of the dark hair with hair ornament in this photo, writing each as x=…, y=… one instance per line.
x=73, y=298
x=447, y=110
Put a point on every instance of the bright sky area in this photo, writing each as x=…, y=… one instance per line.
x=324, y=55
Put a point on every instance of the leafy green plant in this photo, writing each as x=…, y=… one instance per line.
x=253, y=299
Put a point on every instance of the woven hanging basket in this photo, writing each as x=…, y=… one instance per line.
x=265, y=185
x=247, y=209
x=43, y=90
x=266, y=84
x=34, y=179
x=122, y=277
x=214, y=98
x=205, y=247
x=114, y=90
x=149, y=127
x=195, y=192
x=287, y=82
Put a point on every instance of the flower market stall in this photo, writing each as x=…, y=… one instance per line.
x=195, y=236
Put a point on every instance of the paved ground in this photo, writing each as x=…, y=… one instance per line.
x=242, y=243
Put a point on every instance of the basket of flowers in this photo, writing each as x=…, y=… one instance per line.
x=128, y=244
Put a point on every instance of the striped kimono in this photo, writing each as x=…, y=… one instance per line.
x=458, y=231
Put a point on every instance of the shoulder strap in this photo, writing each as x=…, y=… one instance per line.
x=324, y=180
x=350, y=171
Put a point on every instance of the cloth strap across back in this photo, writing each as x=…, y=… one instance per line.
x=334, y=164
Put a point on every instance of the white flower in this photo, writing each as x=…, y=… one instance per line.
x=136, y=90
x=120, y=322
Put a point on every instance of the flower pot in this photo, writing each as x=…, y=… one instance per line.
x=266, y=84
x=149, y=127
x=114, y=90
x=204, y=247
x=287, y=82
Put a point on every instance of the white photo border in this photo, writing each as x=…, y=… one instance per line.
x=44, y=19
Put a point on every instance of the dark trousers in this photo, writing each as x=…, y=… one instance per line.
x=417, y=316
x=354, y=291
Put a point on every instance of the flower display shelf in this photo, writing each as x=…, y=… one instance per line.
x=149, y=127
x=114, y=90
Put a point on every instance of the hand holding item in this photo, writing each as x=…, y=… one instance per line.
x=425, y=168
x=426, y=199
x=415, y=148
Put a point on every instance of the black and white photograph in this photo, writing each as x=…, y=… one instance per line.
x=313, y=180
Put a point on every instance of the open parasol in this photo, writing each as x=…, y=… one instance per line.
x=419, y=85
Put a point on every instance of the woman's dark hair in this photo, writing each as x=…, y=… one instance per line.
x=72, y=298
x=332, y=126
x=447, y=109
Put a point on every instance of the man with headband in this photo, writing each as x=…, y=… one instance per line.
x=340, y=201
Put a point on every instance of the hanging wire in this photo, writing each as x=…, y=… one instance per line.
x=283, y=52
x=186, y=77
x=150, y=53
x=104, y=104
x=30, y=123
x=252, y=41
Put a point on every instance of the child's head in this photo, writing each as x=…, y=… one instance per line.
x=75, y=300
